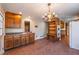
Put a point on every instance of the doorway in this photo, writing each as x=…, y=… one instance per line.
x=27, y=26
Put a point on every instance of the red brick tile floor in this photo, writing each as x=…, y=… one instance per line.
x=43, y=47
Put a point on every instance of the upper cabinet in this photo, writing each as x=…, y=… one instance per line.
x=12, y=20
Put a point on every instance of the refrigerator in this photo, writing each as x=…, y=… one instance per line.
x=74, y=34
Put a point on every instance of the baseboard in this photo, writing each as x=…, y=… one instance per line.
x=2, y=52
x=40, y=38
x=74, y=48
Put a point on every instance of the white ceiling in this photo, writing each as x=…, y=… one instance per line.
x=36, y=10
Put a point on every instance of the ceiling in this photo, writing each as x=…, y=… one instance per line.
x=65, y=11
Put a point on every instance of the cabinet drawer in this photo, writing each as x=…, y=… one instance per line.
x=8, y=44
x=8, y=37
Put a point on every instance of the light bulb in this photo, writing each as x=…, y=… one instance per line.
x=45, y=14
x=49, y=16
x=53, y=13
x=56, y=15
x=20, y=12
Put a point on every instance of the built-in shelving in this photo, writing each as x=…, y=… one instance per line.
x=52, y=29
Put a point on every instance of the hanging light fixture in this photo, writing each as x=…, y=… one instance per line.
x=49, y=15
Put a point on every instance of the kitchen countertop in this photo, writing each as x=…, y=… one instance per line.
x=18, y=33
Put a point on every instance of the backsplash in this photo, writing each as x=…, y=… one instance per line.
x=14, y=30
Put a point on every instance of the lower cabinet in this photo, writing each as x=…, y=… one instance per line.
x=23, y=40
x=27, y=39
x=31, y=38
x=16, y=40
x=8, y=42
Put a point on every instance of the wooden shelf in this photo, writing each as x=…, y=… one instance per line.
x=52, y=29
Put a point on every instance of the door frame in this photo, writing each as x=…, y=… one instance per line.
x=25, y=24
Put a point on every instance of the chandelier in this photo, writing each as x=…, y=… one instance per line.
x=49, y=15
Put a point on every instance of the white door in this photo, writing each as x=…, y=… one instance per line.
x=74, y=34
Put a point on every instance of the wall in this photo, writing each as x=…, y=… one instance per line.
x=2, y=37
x=40, y=31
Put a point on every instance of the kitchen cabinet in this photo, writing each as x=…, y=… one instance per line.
x=31, y=38
x=23, y=39
x=16, y=40
x=12, y=20
x=27, y=39
x=8, y=42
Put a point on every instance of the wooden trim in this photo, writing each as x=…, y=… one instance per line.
x=13, y=13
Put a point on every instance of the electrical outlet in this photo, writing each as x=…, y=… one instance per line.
x=41, y=36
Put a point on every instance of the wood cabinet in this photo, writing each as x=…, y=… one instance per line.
x=52, y=29
x=17, y=21
x=16, y=40
x=23, y=39
x=9, y=22
x=12, y=20
x=27, y=39
x=8, y=42
x=32, y=37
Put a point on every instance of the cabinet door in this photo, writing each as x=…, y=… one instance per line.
x=31, y=40
x=27, y=39
x=12, y=20
x=9, y=22
x=23, y=40
x=8, y=42
x=17, y=41
x=17, y=21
